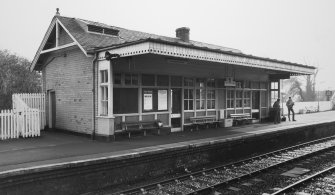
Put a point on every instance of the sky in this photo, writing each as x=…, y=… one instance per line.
x=300, y=31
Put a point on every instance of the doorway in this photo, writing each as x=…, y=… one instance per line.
x=255, y=104
x=175, y=109
x=52, y=109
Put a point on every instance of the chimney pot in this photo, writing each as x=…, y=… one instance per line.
x=183, y=33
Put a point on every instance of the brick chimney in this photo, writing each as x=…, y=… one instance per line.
x=183, y=33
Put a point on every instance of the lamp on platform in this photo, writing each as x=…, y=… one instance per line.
x=109, y=56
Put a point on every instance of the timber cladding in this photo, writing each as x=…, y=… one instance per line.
x=69, y=75
x=87, y=176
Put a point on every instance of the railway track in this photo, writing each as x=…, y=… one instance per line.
x=322, y=182
x=208, y=180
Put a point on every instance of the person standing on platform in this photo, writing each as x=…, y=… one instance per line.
x=276, y=107
x=290, y=105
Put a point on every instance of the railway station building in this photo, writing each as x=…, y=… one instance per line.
x=98, y=76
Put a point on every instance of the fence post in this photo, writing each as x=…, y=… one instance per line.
x=1, y=124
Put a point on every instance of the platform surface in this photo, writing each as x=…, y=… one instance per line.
x=54, y=148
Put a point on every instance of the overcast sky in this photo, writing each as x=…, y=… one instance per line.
x=301, y=31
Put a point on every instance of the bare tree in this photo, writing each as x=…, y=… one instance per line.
x=15, y=77
x=310, y=94
x=302, y=88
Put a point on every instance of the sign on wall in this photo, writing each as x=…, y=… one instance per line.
x=162, y=99
x=147, y=100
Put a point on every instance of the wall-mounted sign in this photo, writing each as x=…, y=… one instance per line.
x=147, y=100
x=162, y=99
x=230, y=82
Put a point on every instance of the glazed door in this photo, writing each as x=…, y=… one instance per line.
x=176, y=109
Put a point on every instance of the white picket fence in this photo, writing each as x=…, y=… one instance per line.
x=25, y=123
x=26, y=119
x=32, y=100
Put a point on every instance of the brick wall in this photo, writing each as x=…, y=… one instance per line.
x=70, y=76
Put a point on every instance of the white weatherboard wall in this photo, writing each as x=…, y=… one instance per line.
x=304, y=106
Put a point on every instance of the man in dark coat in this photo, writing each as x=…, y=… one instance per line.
x=276, y=107
x=290, y=105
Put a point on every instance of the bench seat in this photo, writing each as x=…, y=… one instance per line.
x=242, y=118
x=204, y=120
x=141, y=126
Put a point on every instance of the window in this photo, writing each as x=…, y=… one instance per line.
x=162, y=80
x=176, y=81
x=125, y=100
x=263, y=99
x=230, y=98
x=238, y=99
x=104, y=92
x=210, y=99
x=200, y=83
x=274, y=96
x=274, y=85
x=246, y=98
x=188, y=82
x=148, y=80
x=274, y=92
x=247, y=84
x=117, y=78
x=263, y=85
x=188, y=99
x=211, y=83
x=255, y=85
x=131, y=79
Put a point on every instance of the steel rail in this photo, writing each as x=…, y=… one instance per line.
x=302, y=181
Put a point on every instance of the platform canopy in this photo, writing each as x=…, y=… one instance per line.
x=160, y=47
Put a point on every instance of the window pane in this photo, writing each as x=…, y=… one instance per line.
x=200, y=83
x=117, y=78
x=104, y=76
x=198, y=104
x=202, y=104
x=190, y=93
x=211, y=83
x=188, y=82
x=176, y=81
x=125, y=100
x=127, y=79
x=148, y=80
x=203, y=94
x=255, y=85
x=162, y=80
x=190, y=103
x=185, y=94
x=134, y=79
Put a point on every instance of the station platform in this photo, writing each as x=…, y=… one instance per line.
x=59, y=149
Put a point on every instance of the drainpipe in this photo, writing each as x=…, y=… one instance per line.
x=93, y=91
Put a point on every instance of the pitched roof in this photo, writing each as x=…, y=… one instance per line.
x=78, y=29
x=91, y=42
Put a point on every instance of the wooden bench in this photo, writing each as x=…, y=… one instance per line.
x=143, y=126
x=204, y=120
x=242, y=118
